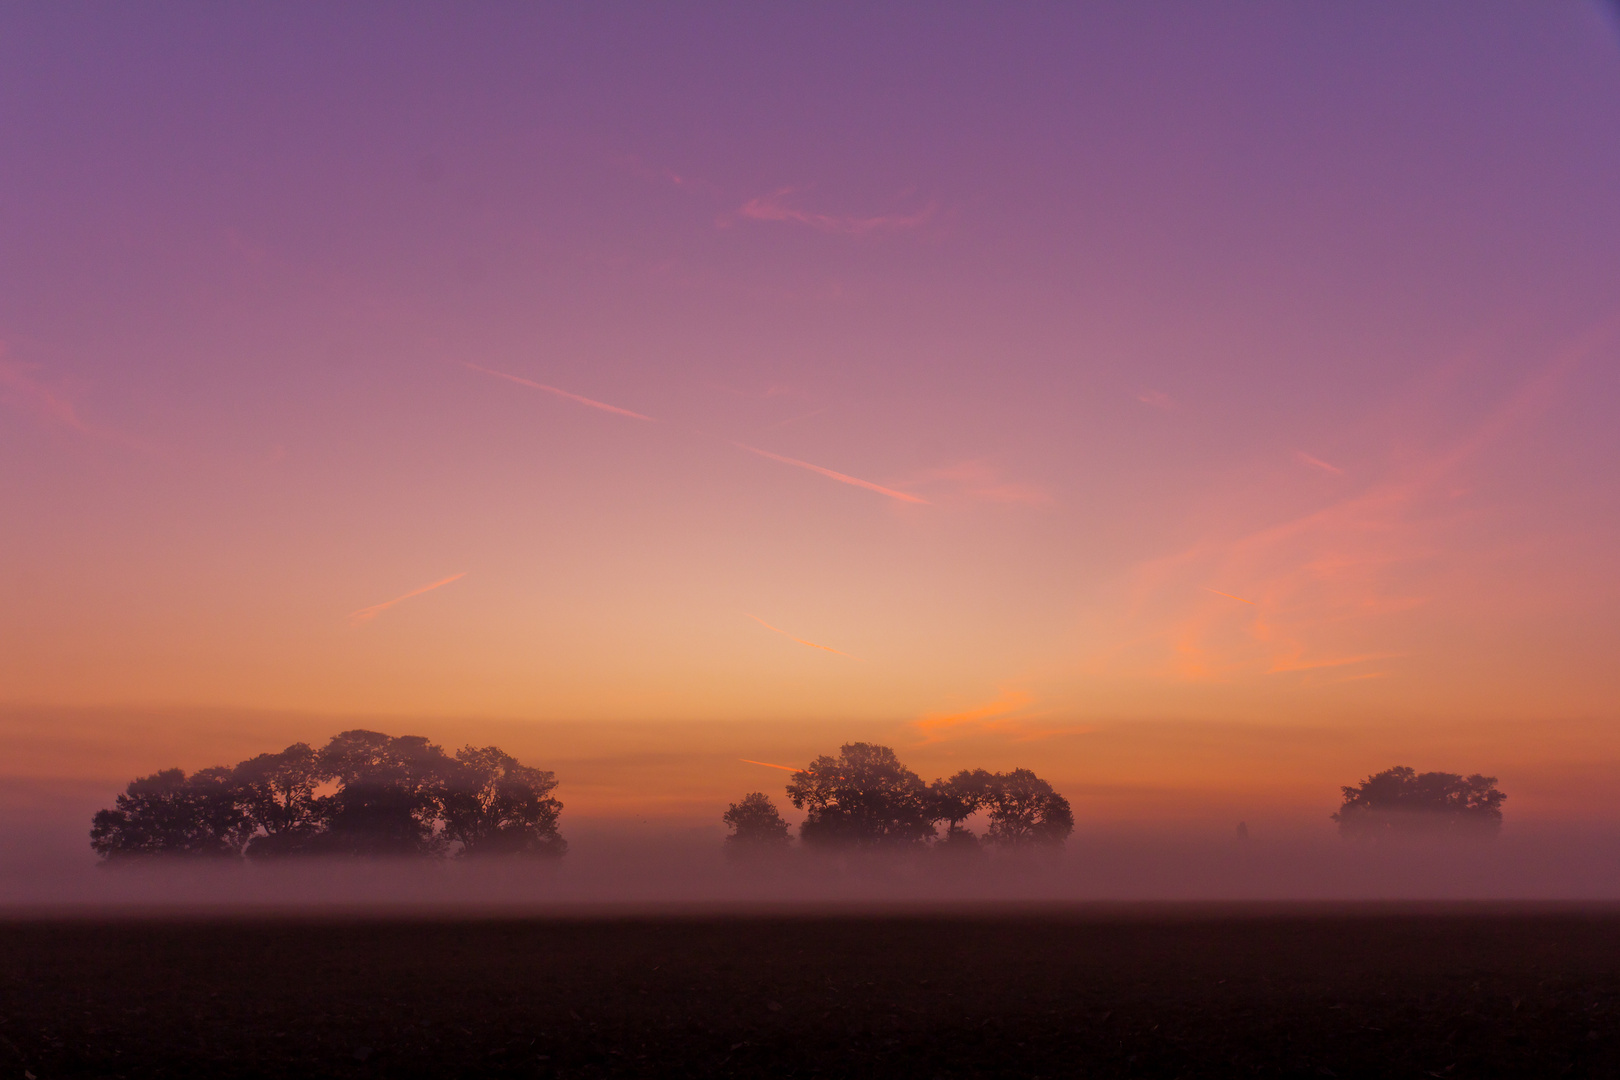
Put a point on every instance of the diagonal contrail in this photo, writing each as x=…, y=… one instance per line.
x=521, y=381
x=768, y=765
x=800, y=640
x=366, y=614
x=842, y=478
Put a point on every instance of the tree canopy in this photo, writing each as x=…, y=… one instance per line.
x=1404, y=800
x=364, y=793
x=866, y=798
x=756, y=825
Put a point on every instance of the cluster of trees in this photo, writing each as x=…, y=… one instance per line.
x=866, y=798
x=363, y=793
x=1402, y=800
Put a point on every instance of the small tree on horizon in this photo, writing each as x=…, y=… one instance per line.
x=493, y=805
x=1025, y=812
x=955, y=800
x=863, y=798
x=1404, y=800
x=277, y=792
x=169, y=813
x=757, y=827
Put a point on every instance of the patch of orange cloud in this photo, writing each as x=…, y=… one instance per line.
x=769, y=765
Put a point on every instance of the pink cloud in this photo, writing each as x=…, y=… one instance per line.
x=775, y=207
x=983, y=482
x=592, y=402
x=842, y=478
x=1317, y=463
x=20, y=388
x=366, y=614
x=1158, y=399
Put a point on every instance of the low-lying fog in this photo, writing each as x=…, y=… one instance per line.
x=624, y=867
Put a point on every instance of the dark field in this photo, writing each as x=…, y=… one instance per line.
x=1155, y=992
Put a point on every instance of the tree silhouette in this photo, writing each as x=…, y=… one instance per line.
x=390, y=794
x=277, y=792
x=169, y=813
x=756, y=826
x=1403, y=800
x=864, y=797
x=495, y=806
x=1026, y=812
x=955, y=800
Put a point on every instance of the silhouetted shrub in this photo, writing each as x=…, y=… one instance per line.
x=169, y=813
x=1025, y=812
x=862, y=798
x=495, y=806
x=391, y=796
x=1401, y=800
x=757, y=827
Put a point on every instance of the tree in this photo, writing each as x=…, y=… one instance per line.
x=390, y=794
x=169, y=813
x=864, y=797
x=495, y=806
x=1026, y=812
x=756, y=826
x=277, y=792
x=1403, y=800
x=955, y=800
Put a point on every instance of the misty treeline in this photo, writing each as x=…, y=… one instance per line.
x=1403, y=800
x=865, y=798
x=363, y=793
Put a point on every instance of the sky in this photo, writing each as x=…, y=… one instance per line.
x=1182, y=400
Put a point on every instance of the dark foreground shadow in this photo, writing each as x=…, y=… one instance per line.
x=1149, y=992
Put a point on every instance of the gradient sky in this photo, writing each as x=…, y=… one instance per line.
x=1014, y=378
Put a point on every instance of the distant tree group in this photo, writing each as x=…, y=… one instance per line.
x=364, y=793
x=865, y=798
x=1403, y=800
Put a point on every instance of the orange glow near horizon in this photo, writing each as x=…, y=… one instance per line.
x=1217, y=416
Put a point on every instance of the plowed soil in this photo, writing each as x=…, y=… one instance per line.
x=1163, y=992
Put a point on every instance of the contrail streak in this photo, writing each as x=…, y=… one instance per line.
x=800, y=640
x=593, y=403
x=1229, y=596
x=366, y=614
x=840, y=477
x=768, y=765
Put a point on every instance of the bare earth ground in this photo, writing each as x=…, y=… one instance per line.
x=1160, y=991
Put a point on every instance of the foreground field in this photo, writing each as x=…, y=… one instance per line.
x=1486, y=992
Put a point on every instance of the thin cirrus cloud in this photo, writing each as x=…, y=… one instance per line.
x=1158, y=399
x=769, y=765
x=842, y=478
x=800, y=640
x=521, y=381
x=775, y=207
x=1317, y=463
x=1337, y=581
x=366, y=614
x=982, y=482
x=19, y=387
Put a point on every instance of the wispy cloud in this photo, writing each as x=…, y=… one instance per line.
x=800, y=640
x=1317, y=463
x=521, y=381
x=1007, y=717
x=769, y=765
x=366, y=614
x=1320, y=590
x=980, y=481
x=21, y=388
x=842, y=478
x=776, y=207
x=1158, y=399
